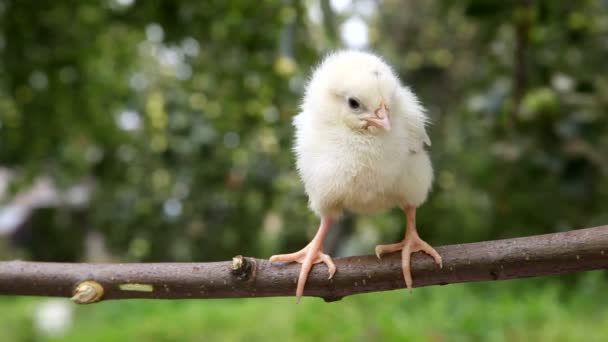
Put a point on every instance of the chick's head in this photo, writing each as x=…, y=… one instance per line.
x=355, y=89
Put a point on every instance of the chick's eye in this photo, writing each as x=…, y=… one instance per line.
x=353, y=103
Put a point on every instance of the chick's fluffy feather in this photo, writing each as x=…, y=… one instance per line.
x=345, y=165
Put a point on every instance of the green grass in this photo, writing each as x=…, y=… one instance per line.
x=522, y=310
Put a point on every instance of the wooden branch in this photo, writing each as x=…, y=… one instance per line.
x=573, y=251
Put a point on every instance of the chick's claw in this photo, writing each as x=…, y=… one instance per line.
x=308, y=256
x=390, y=248
x=411, y=244
x=301, y=255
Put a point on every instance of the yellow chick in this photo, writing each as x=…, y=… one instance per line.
x=359, y=144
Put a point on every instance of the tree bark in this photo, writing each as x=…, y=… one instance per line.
x=567, y=252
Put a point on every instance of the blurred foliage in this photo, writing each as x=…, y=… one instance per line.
x=179, y=113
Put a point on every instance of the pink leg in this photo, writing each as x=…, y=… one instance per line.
x=411, y=243
x=310, y=255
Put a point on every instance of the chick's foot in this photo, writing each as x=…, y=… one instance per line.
x=407, y=247
x=307, y=256
x=310, y=255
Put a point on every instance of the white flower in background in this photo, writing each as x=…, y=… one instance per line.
x=354, y=33
x=53, y=317
x=128, y=120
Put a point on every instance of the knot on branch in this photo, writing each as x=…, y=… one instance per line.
x=87, y=292
x=241, y=267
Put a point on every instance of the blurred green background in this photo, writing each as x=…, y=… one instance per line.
x=161, y=130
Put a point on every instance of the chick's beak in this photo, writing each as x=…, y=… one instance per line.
x=381, y=119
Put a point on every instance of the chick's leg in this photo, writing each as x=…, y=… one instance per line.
x=309, y=255
x=411, y=243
